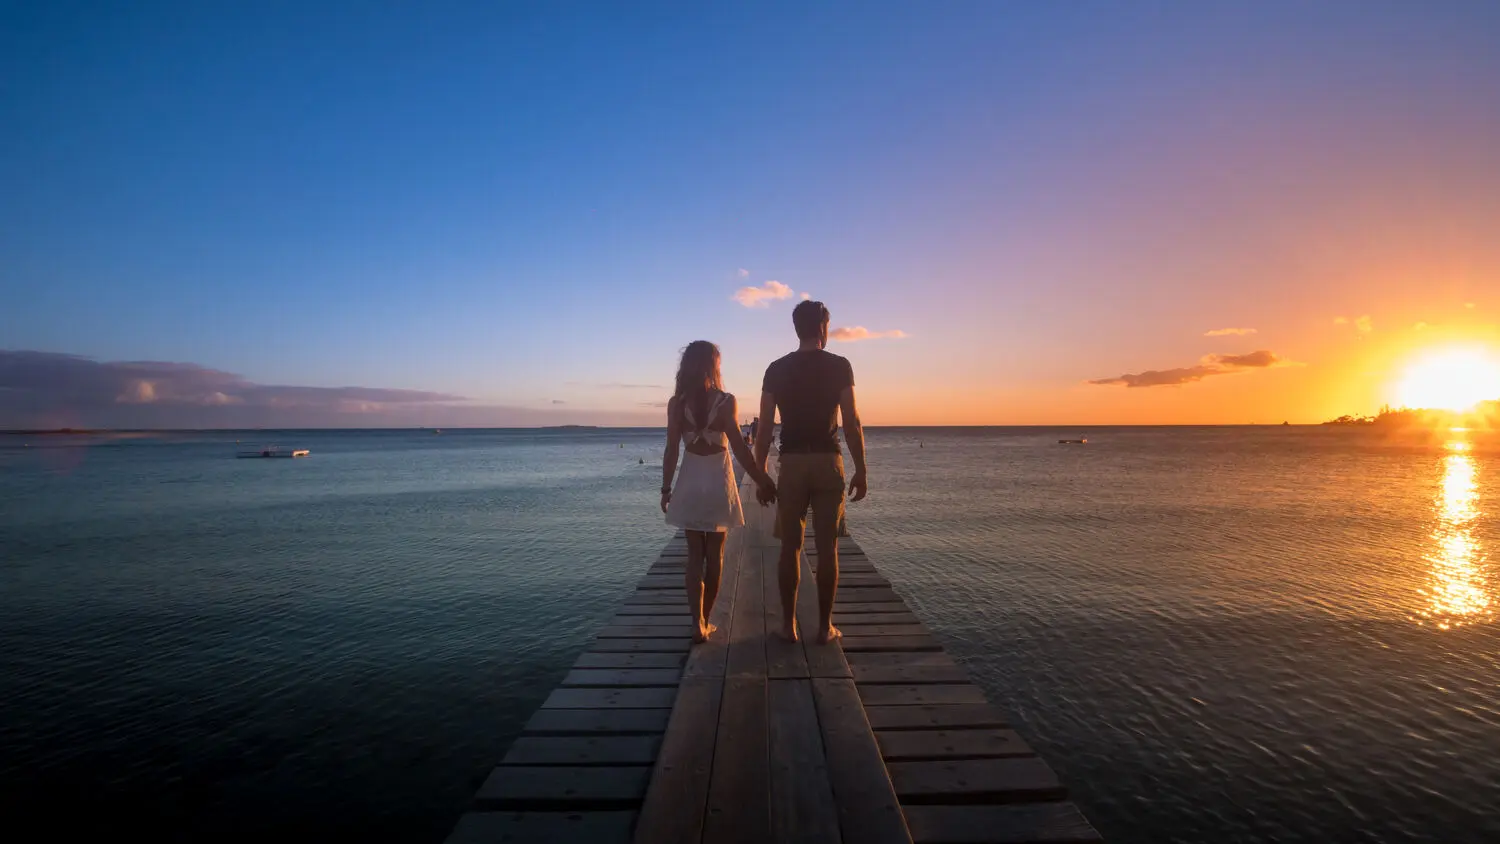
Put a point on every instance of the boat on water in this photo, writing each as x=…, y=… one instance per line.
x=1072, y=442
x=274, y=451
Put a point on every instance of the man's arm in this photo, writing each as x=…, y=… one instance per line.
x=854, y=435
x=767, y=426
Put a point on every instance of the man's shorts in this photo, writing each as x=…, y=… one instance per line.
x=815, y=480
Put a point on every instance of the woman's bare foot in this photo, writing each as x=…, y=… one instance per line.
x=702, y=633
x=832, y=634
x=789, y=631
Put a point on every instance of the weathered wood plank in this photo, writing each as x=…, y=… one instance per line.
x=629, y=660
x=747, y=631
x=918, y=745
x=934, y=716
x=655, y=610
x=542, y=787
x=657, y=598
x=582, y=750
x=739, y=795
x=891, y=643
x=874, y=674
x=802, y=804
x=643, y=646
x=1019, y=780
x=852, y=626
x=678, y=621
x=867, y=806
x=564, y=722
x=867, y=595
x=543, y=827
x=842, y=609
x=899, y=658
x=617, y=698
x=623, y=677
x=909, y=695
x=845, y=619
x=677, y=799
x=645, y=631
x=1032, y=823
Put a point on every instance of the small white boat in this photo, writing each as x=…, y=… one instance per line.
x=1072, y=442
x=274, y=451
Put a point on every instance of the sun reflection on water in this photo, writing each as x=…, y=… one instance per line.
x=1456, y=592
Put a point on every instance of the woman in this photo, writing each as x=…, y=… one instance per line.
x=705, y=503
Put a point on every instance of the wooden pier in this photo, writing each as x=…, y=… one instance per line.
x=750, y=738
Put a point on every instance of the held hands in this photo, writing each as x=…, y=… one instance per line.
x=666, y=498
x=765, y=491
x=857, y=486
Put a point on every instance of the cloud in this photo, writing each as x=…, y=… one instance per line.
x=1228, y=332
x=614, y=385
x=1469, y=305
x=656, y=404
x=743, y=273
x=805, y=296
x=1421, y=326
x=558, y=401
x=1362, y=324
x=757, y=297
x=858, y=332
x=1210, y=365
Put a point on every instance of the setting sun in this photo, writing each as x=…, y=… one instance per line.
x=1452, y=379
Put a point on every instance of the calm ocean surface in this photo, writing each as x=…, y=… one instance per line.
x=1220, y=634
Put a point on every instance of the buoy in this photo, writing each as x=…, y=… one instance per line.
x=641, y=460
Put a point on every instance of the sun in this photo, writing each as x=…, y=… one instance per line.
x=1450, y=379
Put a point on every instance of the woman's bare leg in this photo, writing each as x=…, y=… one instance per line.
x=713, y=568
x=693, y=581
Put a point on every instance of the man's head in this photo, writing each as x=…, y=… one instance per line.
x=811, y=321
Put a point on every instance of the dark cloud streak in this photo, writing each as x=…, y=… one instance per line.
x=1209, y=366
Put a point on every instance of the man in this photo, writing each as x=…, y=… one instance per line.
x=811, y=387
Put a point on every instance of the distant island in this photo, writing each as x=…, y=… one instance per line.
x=570, y=427
x=1485, y=413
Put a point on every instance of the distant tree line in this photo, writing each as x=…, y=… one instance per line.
x=1486, y=414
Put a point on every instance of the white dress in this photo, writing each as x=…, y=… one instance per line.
x=705, y=496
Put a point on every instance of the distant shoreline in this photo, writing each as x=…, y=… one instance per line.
x=53, y=432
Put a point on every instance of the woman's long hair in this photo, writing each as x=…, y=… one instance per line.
x=697, y=374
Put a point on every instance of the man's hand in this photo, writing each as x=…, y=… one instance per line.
x=857, y=487
x=765, y=494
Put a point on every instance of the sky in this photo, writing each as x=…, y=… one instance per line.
x=445, y=214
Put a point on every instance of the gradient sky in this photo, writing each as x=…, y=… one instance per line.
x=534, y=206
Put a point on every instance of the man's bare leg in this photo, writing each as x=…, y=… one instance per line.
x=788, y=573
x=713, y=570
x=828, y=584
x=693, y=581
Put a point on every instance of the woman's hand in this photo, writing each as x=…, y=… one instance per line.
x=666, y=498
x=765, y=490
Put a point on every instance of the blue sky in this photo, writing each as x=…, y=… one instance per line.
x=519, y=203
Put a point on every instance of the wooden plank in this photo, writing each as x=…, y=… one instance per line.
x=899, y=658
x=628, y=660
x=867, y=595
x=738, y=791
x=657, y=598
x=582, y=750
x=822, y=660
x=679, y=621
x=784, y=659
x=908, y=695
x=802, y=804
x=543, y=827
x=852, y=626
x=916, y=745
x=655, y=610
x=643, y=646
x=565, y=722
x=1025, y=779
x=846, y=619
x=747, y=632
x=677, y=799
x=934, y=716
x=873, y=674
x=890, y=643
x=1035, y=823
x=867, y=806
x=645, y=631
x=623, y=677
x=618, y=698
x=542, y=787
x=845, y=608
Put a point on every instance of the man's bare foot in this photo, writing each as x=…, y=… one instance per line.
x=702, y=633
x=832, y=634
x=789, y=631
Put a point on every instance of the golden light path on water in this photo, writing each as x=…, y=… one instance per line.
x=1457, y=592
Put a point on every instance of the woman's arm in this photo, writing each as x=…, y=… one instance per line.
x=728, y=413
x=669, y=456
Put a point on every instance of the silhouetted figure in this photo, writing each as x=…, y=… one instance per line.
x=811, y=387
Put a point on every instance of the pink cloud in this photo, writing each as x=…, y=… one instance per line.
x=858, y=332
x=758, y=297
x=1210, y=365
x=1229, y=332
